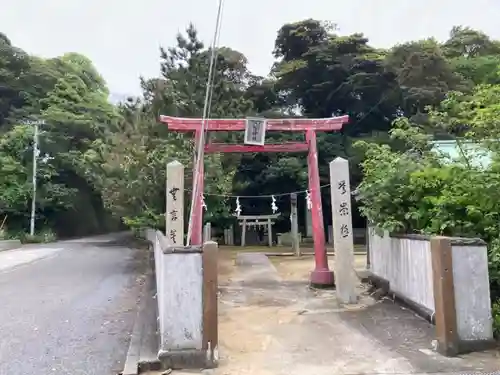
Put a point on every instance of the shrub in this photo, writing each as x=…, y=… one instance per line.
x=494, y=268
x=496, y=318
x=45, y=236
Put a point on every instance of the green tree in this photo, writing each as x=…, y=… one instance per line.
x=424, y=75
x=130, y=162
x=467, y=42
x=326, y=75
x=15, y=181
x=70, y=95
x=474, y=55
x=13, y=64
x=77, y=113
x=478, y=70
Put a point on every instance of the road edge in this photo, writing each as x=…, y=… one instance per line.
x=131, y=365
x=142, y=351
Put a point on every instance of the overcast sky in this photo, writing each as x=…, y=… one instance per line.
x=122, y=37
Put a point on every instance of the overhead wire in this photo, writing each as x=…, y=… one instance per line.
x=215, y=63
x=200, y=148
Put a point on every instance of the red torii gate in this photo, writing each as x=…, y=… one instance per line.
x=321, y=276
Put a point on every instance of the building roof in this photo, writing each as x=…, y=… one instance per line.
x=465, y=150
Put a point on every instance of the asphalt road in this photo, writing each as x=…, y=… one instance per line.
x=71, y=311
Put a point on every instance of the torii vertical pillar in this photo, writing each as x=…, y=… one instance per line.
x=321, y=276
x=197, y=225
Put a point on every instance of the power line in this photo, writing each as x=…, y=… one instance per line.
x=200, y=149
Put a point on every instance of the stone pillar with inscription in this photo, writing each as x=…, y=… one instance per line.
x=174, y=227
x=345, y=276
x=294, y=220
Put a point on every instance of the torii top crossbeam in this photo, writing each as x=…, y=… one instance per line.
x=182, y=124
x=291, y=125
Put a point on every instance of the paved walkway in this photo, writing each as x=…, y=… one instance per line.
x=67, y=308
x=273, y=326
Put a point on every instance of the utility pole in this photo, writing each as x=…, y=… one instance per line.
x=36, y=152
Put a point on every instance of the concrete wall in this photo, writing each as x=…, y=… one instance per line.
x=181, y=302
x=405, y=264
x=418, y=273
x=179, y=283
x=186, y=283
x=472, y=293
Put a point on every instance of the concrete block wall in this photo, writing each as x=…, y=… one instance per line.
x=443, y=279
